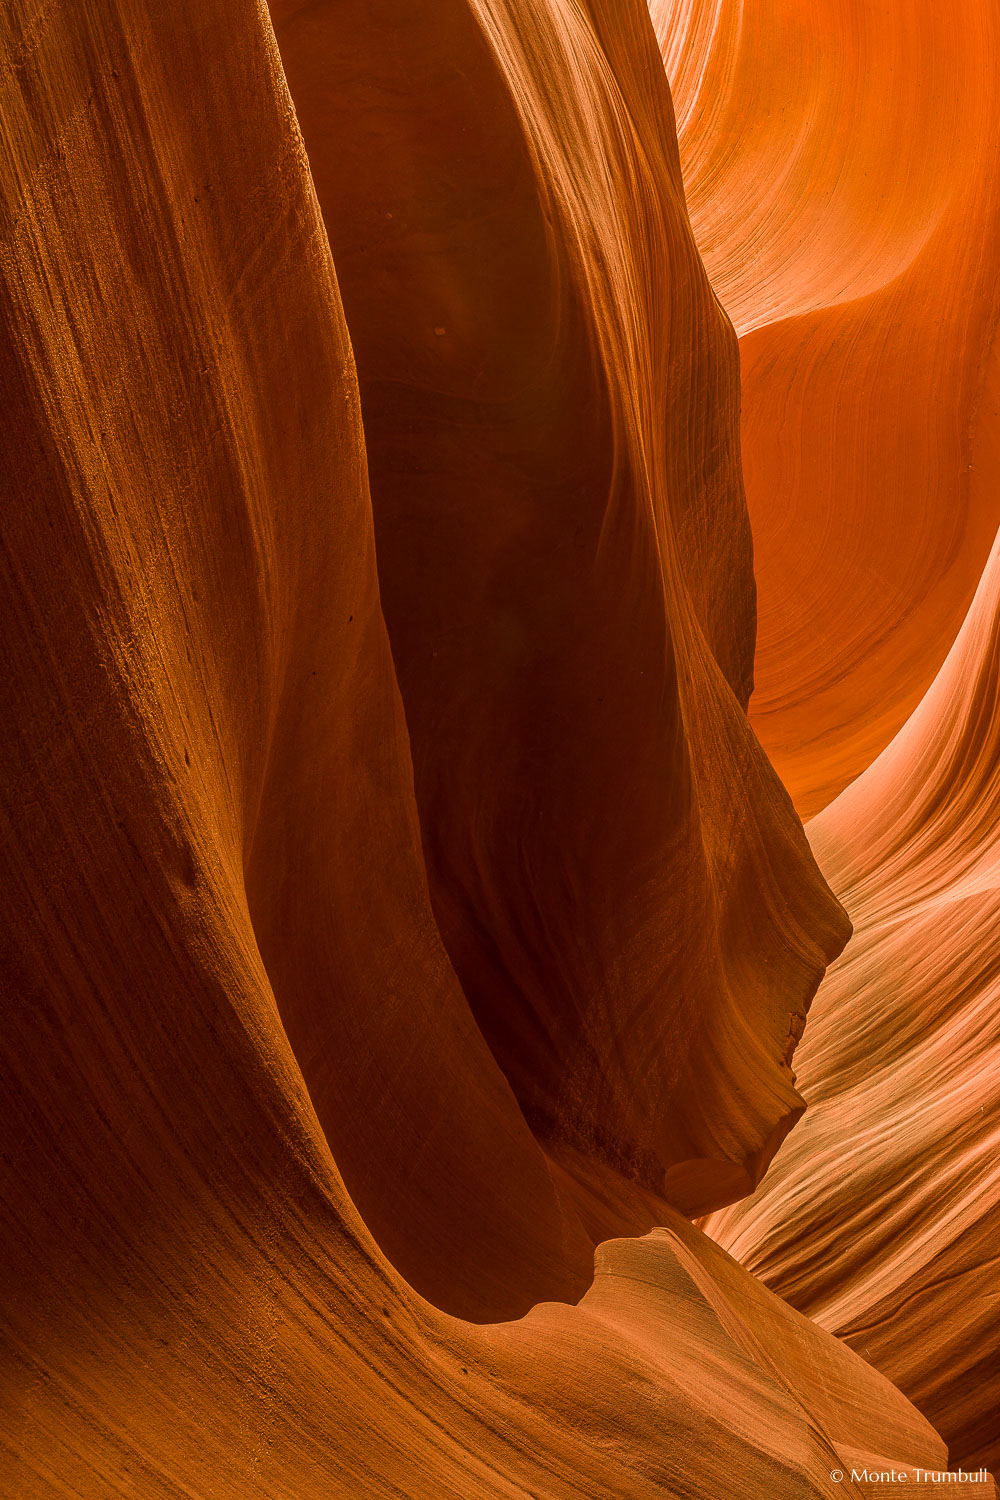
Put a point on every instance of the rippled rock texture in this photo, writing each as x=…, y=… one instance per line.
x=880, y=1217
x=842, y=178
x=401, y=916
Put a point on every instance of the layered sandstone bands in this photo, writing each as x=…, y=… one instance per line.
x=863, y=283
x=550, y=401
x=363, y=972
x=895, y=1249
x=842, y=179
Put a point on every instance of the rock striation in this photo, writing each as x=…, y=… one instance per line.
x=879, y=1218
x=842, y=181
x=401, y=918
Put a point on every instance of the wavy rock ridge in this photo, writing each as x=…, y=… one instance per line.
x=841, y=174
x=863, y=285
x=553, y=450
x=895, y=1252
x=332, y=1037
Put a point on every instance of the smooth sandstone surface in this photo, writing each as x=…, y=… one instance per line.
x=841, y=174
x=863, y=284
x=879, y=1218
x=550, y=406
x=352, y=994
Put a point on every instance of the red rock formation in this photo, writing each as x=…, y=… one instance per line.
x=225, y=991
x=842, y=179
x=550, y=416
x=894, y=1247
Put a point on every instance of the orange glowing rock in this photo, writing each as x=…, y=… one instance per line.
x=345, y=1015
x=894, y=1247
x=841, y=173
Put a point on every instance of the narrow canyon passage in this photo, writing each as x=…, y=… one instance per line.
x=407, y=937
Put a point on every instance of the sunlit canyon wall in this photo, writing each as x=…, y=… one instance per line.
x=405, y=937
